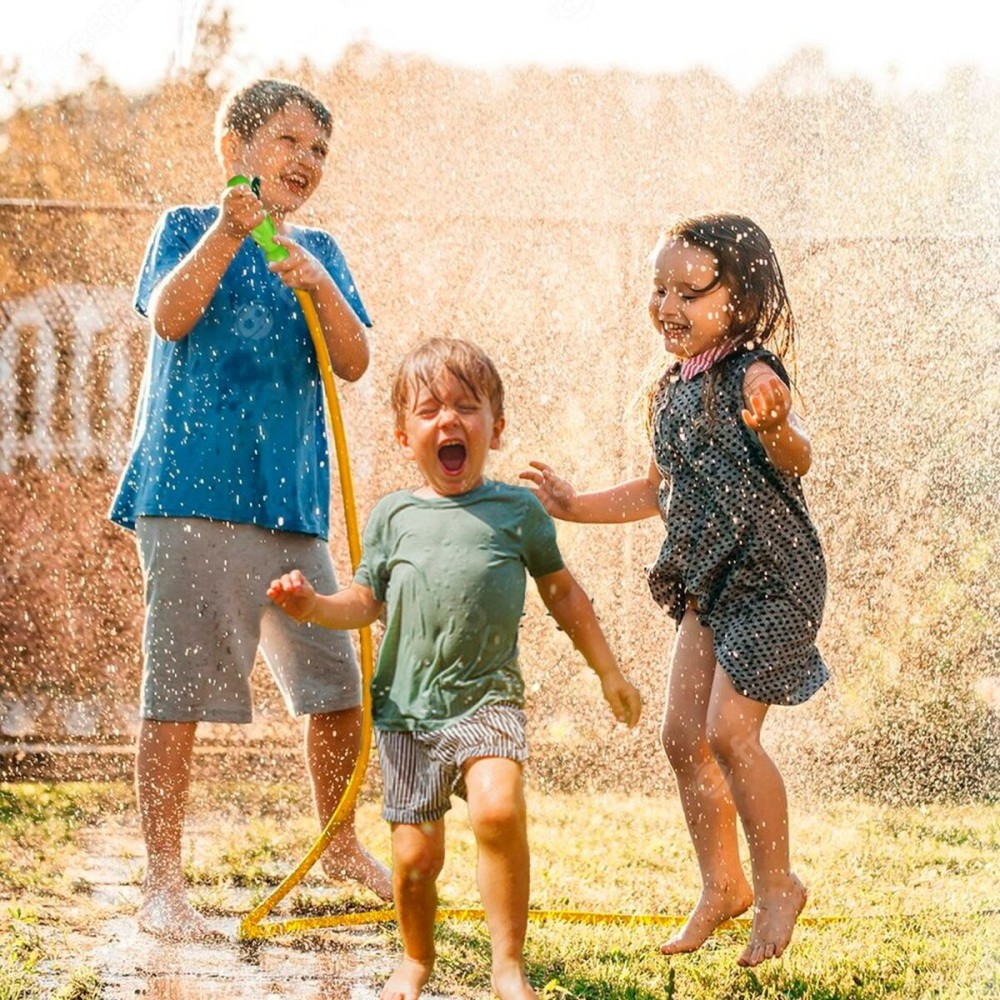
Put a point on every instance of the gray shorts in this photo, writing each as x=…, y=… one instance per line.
x=207, y=611
x=422, y=770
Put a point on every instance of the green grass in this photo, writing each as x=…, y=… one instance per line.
x=912, y=890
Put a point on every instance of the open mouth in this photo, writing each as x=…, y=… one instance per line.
x=296, y=182
x=452, y=457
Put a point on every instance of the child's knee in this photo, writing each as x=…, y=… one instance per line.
x=731, y=748
x=417, y=859
x=685, y=748
x=497, y=819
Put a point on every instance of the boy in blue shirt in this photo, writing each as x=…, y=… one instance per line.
x=228, y=480
x=446, y=565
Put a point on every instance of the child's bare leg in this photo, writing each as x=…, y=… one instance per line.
x=162, y=776
x=499, y=820
x=333, y=741
x=708, y=805
x=417, y=858
x=734, y=730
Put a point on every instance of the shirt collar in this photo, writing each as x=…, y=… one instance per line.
x=690, y=367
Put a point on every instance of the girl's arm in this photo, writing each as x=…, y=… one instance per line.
x=573, y=612
x=353, y=607
x=769, y=414
x=628, y=501
x=180, y=300
x=345, y=335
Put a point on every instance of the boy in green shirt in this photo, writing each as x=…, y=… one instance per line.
x=446, y=564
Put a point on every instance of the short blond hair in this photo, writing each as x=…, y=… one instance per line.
x=428, y=361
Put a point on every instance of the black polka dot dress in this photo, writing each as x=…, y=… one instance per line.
x=740, y=543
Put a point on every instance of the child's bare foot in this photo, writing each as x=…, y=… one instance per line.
x=407, y=981
x=167, y=915
x=510, y=983
x=716, y=905
x=774, y=916
x=357, y=865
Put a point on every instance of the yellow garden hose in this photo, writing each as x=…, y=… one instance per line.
x=251, y=926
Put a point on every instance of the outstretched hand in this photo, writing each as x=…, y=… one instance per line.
x=294, y=594
x=769, y=404
x=555, y=493
x=623, y=697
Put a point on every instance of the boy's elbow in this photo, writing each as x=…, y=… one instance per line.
x=166, y=330
x=353, y=365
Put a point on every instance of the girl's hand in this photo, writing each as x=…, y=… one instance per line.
x=556, y=494
x=300, y=269
x=294, y=594
x=770, y=404
x=623, y=697
x=240, y=211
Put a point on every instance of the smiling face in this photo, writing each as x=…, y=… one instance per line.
x=690, y=305
x=448, y=431
x=287, y=152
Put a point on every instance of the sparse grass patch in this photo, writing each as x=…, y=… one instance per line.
x=914, y=890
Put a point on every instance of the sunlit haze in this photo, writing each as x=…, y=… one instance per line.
x=137, y=42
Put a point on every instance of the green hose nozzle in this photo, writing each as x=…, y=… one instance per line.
x=263, y=235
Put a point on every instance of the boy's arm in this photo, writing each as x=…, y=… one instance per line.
x=769, y=414
x=353, y=607
x=180, y=300
x=574, y=614
x=628, y=501
x=345, y=335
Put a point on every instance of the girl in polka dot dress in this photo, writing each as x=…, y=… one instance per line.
x=741, y=569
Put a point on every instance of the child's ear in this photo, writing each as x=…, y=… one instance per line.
x=498, y=426
x=404, y=443
x=230, y=151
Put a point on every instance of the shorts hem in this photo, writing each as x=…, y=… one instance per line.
x=412, y=818
x=508, y=752
x=220, y=717
x=325, y=708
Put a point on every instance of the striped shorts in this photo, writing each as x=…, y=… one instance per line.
x=422, y=770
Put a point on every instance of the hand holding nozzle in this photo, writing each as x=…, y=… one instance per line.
x=265, y=231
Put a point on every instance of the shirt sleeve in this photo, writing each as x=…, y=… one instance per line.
x=373, y=570
x=324, y=246
x=175, y=236
x=538, y=533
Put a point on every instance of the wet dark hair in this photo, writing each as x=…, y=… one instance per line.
x=245, y=110
x=426, y=363
x=748, y=267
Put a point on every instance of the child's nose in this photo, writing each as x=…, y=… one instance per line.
x=669, y=304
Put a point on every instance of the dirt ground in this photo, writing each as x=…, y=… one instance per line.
x=332, y=964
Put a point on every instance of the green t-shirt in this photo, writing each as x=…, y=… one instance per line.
x=451, y=571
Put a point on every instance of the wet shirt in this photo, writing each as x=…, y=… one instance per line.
x=452, y=573
x=740, y=542
x=230, y=421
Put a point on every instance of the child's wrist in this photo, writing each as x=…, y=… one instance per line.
x=222, y=232
x=773, y=435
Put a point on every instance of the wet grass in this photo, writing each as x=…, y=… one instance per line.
x=913, y=894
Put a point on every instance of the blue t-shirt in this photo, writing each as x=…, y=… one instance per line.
x=230, y=421
x=451, y=571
